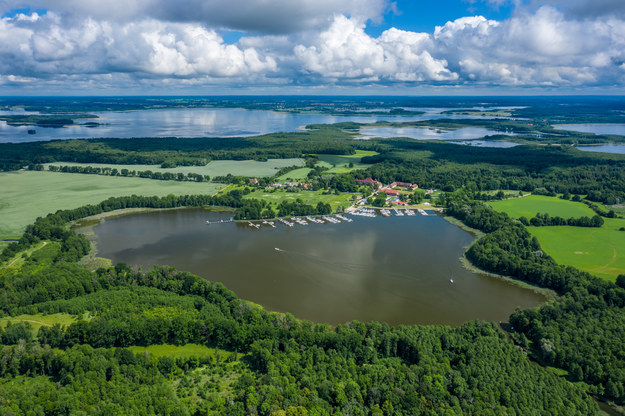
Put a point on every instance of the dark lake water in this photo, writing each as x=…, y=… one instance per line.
x=192, y=122
x=395, y=269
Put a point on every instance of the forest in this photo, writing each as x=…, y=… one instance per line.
x=273, y=364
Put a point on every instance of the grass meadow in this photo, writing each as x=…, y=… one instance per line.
x=214, y=168
x=37, y=321
x=180, y=351
x=308, y=197
x=599, y=251
x=27, y=195
x=529, y=206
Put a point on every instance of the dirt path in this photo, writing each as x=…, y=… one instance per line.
x=16, y=259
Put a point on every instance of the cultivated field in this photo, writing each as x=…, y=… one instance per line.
x=529, y=206
x=27, y=195
x=214, y=168
x=307, y=197
x=600, y=251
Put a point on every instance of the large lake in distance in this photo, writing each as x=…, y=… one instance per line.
x=194, y=122
x=394, y=269
x=618, y=129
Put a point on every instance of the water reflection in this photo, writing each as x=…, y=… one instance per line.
x=195, y=122
x=394, y=269
x=426, y=133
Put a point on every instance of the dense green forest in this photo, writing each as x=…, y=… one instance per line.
x=267, y=363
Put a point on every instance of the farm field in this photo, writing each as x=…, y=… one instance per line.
x=213, y=168
x=296, y=174
x=529, y=206
x=600, y=251
x=334, y=163
x=308, y=197
x=27, y=195
x=340, y=163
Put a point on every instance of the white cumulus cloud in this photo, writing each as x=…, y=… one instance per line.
x=345, y=51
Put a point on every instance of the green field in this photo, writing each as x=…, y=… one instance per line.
x=296, y=175
x=308, y=197
x=340, y=163
x=37, y=321
x=214, y=168
x=600, y=251
x=529, y=206
x=27, y=195
x=176, y=351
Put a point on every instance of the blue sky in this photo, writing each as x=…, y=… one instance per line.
x=312, y=46
x=423, y=16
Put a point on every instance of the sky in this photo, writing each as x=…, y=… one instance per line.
x=207, y=47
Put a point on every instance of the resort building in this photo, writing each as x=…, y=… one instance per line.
x=370, y=182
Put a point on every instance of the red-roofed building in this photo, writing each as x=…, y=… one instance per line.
x=390, y=192
x=407, y=185
x=254, y=181
x=369, y=181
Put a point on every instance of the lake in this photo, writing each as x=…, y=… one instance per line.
x=395, y=269
x=427, y=133
x=604, y=148
x=618, y=129
x=191, y=122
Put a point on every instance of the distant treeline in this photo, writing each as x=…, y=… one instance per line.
x=171, y=152
x=164, y=176
x=541, y=220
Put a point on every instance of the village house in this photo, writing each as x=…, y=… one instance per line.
x=390, y=192
x=406, y=185
x=369, y=182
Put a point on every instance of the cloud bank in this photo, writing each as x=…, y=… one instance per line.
x=88, y=44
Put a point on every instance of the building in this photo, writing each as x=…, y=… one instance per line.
x=390, y=192
x=406, y=185
x=369, y=182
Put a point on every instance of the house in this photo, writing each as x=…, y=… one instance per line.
x=254, y=181
x=398, y=202
x=406, y=185
x=390, y=192
x=369, y=181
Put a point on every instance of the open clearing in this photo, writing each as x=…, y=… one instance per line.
x=307, y=197
x=600, y=251
x=529, y=206
x=340, y=163
x=37, y=321
x=213, y=168
x=27, y=195
x=183, y=351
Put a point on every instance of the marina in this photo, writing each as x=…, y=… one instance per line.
x=327, y=219
x=396, y=269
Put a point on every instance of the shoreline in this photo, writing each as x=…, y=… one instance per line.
x=548, y=294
